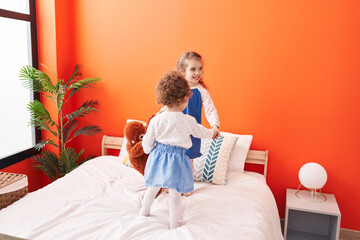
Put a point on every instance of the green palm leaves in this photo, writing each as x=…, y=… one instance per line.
x=65, y=127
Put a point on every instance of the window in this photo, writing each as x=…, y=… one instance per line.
x=18, y=47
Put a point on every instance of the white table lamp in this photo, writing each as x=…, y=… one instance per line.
x=313, y=177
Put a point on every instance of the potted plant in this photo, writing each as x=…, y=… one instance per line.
x=66, y=127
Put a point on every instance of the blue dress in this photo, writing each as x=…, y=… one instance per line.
x=169, y=167
x=194, y=108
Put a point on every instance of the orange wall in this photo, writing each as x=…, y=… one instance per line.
x=286, y=72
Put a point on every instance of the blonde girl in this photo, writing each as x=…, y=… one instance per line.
x=190, y=65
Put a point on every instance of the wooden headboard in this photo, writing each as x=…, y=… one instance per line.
x=253, y=156
x=109, y=142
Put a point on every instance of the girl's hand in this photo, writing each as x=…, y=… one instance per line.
x=216, y=132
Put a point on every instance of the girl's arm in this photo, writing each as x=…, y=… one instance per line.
x=209, y=108
x=199, y=131
x=149, y=138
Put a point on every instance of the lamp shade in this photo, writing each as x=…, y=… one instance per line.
x=312, y=176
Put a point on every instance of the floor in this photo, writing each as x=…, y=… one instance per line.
x=349, y=235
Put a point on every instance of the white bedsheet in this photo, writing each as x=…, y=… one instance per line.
x=101, y=200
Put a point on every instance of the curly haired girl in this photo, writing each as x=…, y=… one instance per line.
x=166, y=139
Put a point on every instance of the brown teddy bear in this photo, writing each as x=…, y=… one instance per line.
x=134, y=132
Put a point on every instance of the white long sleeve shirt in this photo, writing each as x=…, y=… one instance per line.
x=173, y=128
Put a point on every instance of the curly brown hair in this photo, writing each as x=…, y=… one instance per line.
x=171, y=89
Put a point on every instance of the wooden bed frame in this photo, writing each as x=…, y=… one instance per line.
x=253, y=157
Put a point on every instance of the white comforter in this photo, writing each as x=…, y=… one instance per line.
x=101, y=200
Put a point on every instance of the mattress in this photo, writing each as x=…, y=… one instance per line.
x=101, y=200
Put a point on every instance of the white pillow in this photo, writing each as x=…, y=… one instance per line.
x=123, y=153
x=239, y=153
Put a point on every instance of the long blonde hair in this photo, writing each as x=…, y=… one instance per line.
x=182, y=63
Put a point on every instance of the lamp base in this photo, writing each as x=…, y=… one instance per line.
x=310, y=196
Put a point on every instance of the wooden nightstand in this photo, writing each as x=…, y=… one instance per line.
x=311, y=221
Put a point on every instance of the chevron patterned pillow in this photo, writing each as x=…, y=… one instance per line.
x=213, y=164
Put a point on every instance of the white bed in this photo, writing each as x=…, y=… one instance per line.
x=101, y=199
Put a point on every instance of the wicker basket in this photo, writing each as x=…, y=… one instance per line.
x=8, y=198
